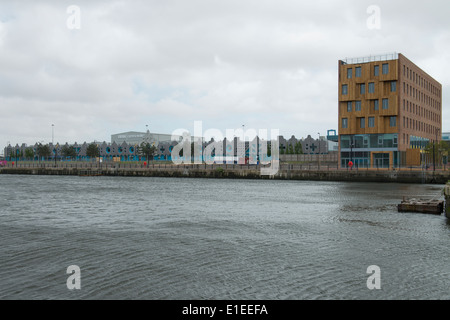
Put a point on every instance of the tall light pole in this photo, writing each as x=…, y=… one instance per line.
x=56, y=153
x=243, y=143
x=351, y=152
x=318, y=156
x=434, y=156
x=53, y=126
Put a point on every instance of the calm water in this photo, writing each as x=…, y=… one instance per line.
x=164, y=238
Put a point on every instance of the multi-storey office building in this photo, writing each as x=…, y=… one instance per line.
x=389, y=110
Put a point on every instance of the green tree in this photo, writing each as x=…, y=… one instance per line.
x=439, y=149
x=68, y=151
x=92, y=151
x=290, y=149
x=43, y=151
x=298, y=148
x=15, y=153
x=29, y=153
x=148, y=150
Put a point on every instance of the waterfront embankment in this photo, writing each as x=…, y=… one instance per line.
x=286, y=172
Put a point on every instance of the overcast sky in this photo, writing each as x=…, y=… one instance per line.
x=227, y=63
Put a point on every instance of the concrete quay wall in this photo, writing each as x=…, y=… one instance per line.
x=286, y=173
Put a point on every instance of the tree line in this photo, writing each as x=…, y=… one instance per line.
x=43, y=151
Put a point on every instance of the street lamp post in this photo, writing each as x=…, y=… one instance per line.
x=38, y=151
x=434, y=156
x=56, y=154
x=434, y=164
x=440, y=152
x=351, y=151
x=243, y=143
x=53, y=126
x=318, y=156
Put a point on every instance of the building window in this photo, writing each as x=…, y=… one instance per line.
x=393, y=86
x=376, y=104
x=380, y=140
x=344, y=123
x=371, y=87
x=344, y=89
x=358, y=72
x=392, y=121
x=363, y=88
x=376, y=71
x=385, y=68
x=349, y=73
x=362, y=123
x=358, y=106
x=385, y=104
x=371, y=122
x=349, y=106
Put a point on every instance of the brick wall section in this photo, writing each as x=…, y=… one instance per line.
x=420, y=101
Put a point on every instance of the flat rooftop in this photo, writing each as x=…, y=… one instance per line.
x=367, y=59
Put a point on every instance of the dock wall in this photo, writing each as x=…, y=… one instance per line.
x=287, y=172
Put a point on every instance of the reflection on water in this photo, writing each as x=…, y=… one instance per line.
x=156, y=238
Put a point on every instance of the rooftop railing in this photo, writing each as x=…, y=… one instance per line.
x=367, y=59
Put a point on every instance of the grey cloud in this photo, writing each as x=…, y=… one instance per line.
x=224, y=62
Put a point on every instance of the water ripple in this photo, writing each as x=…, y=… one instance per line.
x=155, y=238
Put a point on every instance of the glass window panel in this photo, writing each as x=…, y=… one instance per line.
x=376, y=71
x=376, y=105
x=363, y=89
x=349, y=73
x=393, y=86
